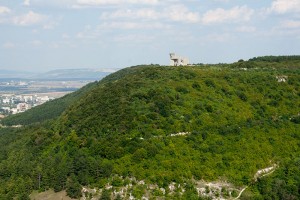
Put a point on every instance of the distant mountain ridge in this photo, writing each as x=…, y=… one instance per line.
x=90, y=74
x=59, y=74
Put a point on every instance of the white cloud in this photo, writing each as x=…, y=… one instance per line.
x=223, y=1
x=66, y=36
x=49, y=4
x=8, y=45
x=4, y=10
x=246, y=29
x=113, y=2
x=131, y=25
x=31, y=18
x=106, y=28
x=36, y=43
x=173, y=13
x=134, y=38
x=88, y=33
x=133, y=14
x=224, y=37
x=235, y=14
x=50, y=24
x=26, y=3
x=54, y=45
x=291, y=24
x=284, y=6
x=182, y=13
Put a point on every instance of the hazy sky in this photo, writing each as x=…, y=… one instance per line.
x=51, y=34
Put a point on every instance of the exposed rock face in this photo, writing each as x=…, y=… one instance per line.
x=282, y=78
x=220, y=190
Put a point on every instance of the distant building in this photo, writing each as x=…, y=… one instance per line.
x=28, y=98
x=44, y=98
x=176, y=60
x=23, y=83
x=6, y=101
x=13, y=104
x=6, y=108
x=22, y=107
x=14, y=111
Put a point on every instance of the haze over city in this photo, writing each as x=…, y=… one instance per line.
x=41, y=35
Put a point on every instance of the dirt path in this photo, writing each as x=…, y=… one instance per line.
x=259, y=174
x=241, y=192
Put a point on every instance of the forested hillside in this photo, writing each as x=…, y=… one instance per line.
x=164, y=126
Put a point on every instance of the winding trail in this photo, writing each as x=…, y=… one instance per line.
x=241, y=192
x=14, y=126
x=259, y=174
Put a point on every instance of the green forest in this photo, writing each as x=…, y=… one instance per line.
x=235, y=118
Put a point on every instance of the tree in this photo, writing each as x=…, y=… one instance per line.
x=73, y=187
x=139, y=155
x=105, y=195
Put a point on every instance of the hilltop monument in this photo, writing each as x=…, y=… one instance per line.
x=176, y=60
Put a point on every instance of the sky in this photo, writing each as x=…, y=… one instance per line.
x=43, y=35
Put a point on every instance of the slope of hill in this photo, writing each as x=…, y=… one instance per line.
x=171, y=129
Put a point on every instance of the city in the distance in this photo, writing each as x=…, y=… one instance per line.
x=22, y=91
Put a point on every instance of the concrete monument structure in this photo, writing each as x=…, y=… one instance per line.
x=176, y=60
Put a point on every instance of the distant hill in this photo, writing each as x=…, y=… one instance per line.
x=71, y=74
x=161, y=132
x=59, y=74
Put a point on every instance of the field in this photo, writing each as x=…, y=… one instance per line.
x=49, y=195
